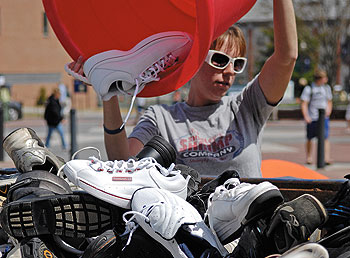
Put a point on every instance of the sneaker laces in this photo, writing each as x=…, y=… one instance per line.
x=223, y=191
x=151, y=73
x=61, y=174
x=147, y=76
x=131, y=166
x=131, y=225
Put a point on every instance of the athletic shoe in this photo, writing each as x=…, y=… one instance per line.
x=29, y=153
x=306, y=250
x=159, y=149
x=338, y=209
x=114, y=72
x=77, y=215
x=161, y=214
x=194, y=177
x=35, y=248
x=253, y=242
x=293, y=222
x=6, y=180
x=142, y=245
x=116, y=181
x=337, y=239
x=37, y=183
x=106, y=245
x=234, y=205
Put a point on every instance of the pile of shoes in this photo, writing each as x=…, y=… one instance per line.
x=147, y=206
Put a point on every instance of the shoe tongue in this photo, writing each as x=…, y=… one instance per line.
x=231, y=183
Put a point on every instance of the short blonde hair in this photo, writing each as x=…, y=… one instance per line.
x=234, y=37
x=56, y=90
x=319, y=73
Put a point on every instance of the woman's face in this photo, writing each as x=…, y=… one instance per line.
x=211, y=84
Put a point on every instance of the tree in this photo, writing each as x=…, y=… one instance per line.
x=42, y=97
x=328, y=21
x=322, y=25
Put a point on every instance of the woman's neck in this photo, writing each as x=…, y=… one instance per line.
x=196, y=99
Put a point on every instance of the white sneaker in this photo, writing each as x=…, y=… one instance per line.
x=116, y=181
x=160, y=213
x=230, y=209
x=308, y=250
x=114, y=72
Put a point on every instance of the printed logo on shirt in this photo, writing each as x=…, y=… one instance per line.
x=220, y=147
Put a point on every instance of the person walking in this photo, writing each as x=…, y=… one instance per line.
x=347, y=115
x=315, y=97
x=53, y=116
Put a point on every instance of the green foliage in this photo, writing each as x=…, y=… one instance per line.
x=308, y=56
x=267, y=50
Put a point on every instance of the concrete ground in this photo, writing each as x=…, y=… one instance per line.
x=285, y=140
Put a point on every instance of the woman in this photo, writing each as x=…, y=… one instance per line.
x=211, y=132
x=53, y=117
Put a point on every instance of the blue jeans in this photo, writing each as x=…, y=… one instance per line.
x=59, y=129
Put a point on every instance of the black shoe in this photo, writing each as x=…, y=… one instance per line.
x=195, y=178
x=336, y=239
x=253, y=242
x=37, y=183
x=142, y=246
x=6, y=180
x=337, y=244
x=77, y=215
x=35, y=248
x=106, y=245
x=293, y=222
x=338, y=209
x=194, y=245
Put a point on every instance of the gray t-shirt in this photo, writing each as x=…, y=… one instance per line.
x=215, y=138
x=318, y=99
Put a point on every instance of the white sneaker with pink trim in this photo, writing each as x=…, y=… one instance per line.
x=116, y=181
x=116, y=72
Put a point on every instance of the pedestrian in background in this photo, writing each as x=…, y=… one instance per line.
x=315, y=97
x=53, y=116
x=5, y=98
x=347, y=115
x=65, y=100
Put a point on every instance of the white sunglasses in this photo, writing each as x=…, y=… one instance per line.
x=220, y=60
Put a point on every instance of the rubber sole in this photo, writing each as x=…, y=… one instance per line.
x=77, y=215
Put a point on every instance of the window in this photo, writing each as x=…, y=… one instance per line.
x=45, y=25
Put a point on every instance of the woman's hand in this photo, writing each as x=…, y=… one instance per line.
x=75, y=69
x=77, y=66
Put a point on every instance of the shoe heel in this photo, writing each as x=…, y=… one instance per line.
x=263, y=205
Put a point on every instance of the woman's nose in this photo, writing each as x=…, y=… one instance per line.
x=229, y=69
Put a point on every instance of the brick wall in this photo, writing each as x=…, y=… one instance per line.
x=26, y=50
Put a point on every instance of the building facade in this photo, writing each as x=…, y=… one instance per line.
x=31, y=57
